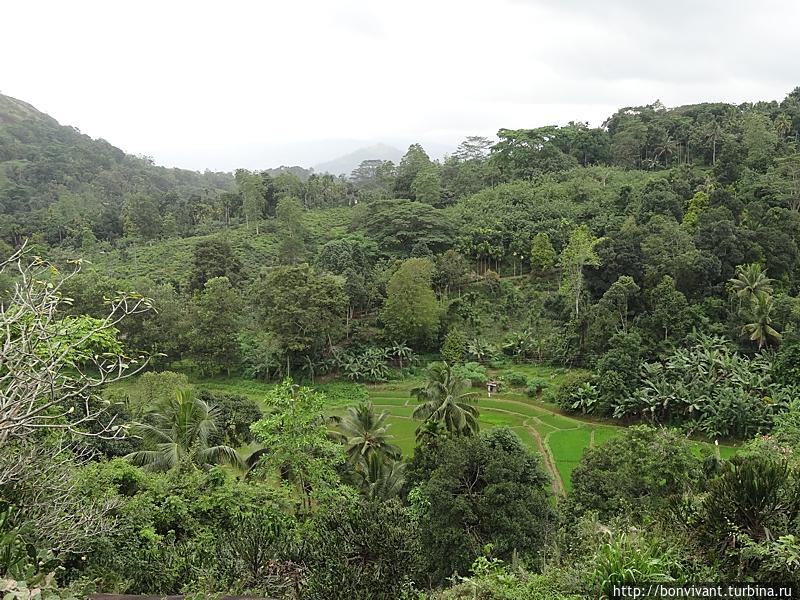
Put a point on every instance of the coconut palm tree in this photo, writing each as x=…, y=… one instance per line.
x=178, y=431
x=750, y=282
x=445, y=398
x=759, y=322
x=364, y=434
x=380, y=479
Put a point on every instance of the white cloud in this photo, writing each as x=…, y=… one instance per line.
x=246, y=83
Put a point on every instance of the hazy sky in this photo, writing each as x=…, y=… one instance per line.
x=201, y=84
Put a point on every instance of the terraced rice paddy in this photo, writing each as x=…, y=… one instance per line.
x=561, y=440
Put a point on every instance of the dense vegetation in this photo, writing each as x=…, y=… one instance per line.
x=648, y=269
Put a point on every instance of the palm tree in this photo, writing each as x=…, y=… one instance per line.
x=364, y=434
x=380, y=479
x=444, y=398
x=179, y=431
x=759, y=322
x=751, y=281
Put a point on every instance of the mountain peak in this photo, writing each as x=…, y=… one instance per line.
x=344, y=165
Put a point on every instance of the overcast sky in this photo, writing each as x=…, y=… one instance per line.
x=218, y=85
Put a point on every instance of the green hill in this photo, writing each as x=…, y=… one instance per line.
x=55, y=180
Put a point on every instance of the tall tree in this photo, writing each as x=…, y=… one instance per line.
x=578, y=254
x=212, y=258
x=216, y=315
x=304, y=310
x=411, y=311
x=291, y=231
x=414, y=161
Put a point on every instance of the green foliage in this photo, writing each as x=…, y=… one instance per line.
x=303, y=309
x=748, y=516
x=234, y=415
x=213, y=338
x=536, y=385
x=211, y=258
x=711, y=388
x=411, y=311
x=515, y=378
x=543, y=255
x=341, y=393
x=181, y=431
x=445, y=399
x=360, y=549
x=294, y=435
x=635, y=472
x=628, y=559
x=291, y=231
x=454, y=347
x=483, y=489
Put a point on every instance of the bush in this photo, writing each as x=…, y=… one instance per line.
x=360, y=549
x=565, y=394
x=341, y=393
x=536, y=385
x=515, y=378
x=474, y=372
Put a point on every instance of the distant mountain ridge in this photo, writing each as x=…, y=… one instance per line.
x=345, y=164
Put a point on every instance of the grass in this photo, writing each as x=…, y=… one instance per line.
x=539, y=424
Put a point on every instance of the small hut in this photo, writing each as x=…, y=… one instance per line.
x=492, y=387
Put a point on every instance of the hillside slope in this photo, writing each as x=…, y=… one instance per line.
x=47, y=167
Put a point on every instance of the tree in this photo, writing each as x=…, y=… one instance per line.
x=634, y=472
x=303, y=309
x=488, y=489
x=290, y=231
x=179, y=431
x=413, y=161
x=579, y=253
x=758, y=326
x=427, y=185
x=51, y=371
x=750, y=282
x=142, y=218
x=617, y=298
x=411, y=311
x=296, y=440
x=254, y=193
x=212, y=258
x=360, y=549
x=365, y=434
x=398, y=225
x=216, y=315
x=454, y=347
x=543, y=256
x=668, y=314
x=445, y=398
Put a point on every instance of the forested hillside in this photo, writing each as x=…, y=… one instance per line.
x=550, y=363
x=62, y=184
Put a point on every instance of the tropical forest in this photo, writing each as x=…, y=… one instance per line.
x=543, y=366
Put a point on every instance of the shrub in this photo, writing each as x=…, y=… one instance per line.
x=536, y=385
x=565, y=394
x=341, y=393
x=515, y=378
x=474, y=372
